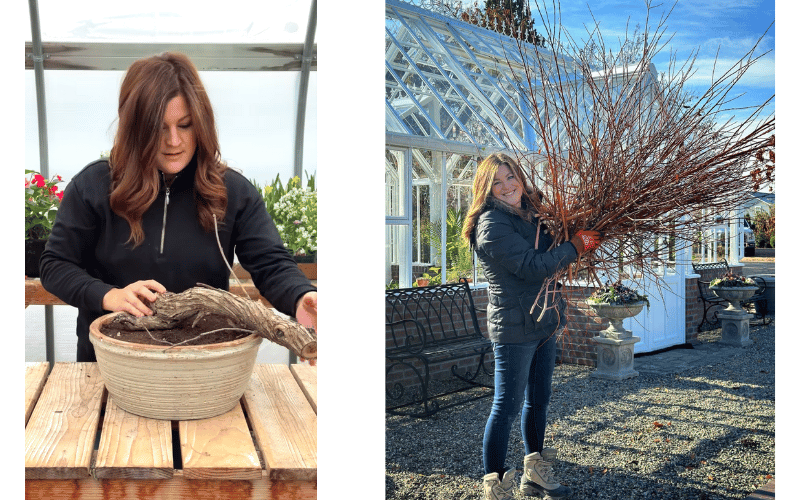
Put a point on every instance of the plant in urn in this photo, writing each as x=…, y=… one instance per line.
x=735, y=320
x=734, y=289
x=615, y=344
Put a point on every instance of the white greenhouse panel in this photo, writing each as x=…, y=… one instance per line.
x=177, y=21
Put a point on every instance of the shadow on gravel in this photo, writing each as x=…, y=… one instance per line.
x=704, y=433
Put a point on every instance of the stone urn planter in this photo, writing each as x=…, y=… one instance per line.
x=734, y=320
x=734, y=295
x=174, y=383
x=615, y=344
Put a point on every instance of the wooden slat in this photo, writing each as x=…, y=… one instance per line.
x=309, y=269
x=219, y=448
x=133, y=447
x=35, y=294
x=35, y=377
x=306, y=376
x=60, y=434
x=284, y=424
x=177, y=488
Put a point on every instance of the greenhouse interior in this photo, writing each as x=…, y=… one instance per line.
x=258, y=62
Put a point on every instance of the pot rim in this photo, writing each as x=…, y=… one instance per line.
x=748, y=287
x=95, y=335
x=609, y=304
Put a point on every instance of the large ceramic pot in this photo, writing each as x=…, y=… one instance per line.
x=734, y=295
x=615, y=314
x=177, y=383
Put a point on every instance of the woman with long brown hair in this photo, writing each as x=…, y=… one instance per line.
x=513, y=247
x=146, y=220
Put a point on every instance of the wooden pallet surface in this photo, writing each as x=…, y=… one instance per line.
x=134, y=455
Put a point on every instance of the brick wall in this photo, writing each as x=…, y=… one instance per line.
x=575, y=346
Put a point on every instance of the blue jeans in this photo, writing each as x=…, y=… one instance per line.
x=523, y=375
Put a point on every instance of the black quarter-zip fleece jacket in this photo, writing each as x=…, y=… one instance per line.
x=87, y=253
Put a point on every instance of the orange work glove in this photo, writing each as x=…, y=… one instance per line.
x=586, y=240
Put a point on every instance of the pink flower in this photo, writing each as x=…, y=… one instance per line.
x=53, y=189
x=60, y=195
x=296, y=222
x=39, y=180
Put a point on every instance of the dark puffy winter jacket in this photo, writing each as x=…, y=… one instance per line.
x=516, y=269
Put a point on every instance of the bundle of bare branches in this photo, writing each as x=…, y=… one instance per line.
x=629, y=152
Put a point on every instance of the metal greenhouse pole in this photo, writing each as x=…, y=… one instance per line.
x=305, y=67
x=38, y=70
x=300, y=122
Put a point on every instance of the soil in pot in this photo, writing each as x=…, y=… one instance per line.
x=187, y=334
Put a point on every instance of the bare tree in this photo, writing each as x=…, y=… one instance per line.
x=628, y=152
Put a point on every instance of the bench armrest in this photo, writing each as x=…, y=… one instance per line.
x=407, y=343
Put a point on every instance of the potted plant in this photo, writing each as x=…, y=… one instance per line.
x=733, y=288
x=293, y=208
x=615, y=344
x=428, y=279
x=42, y=199
x=194, y=356
x=617, y=302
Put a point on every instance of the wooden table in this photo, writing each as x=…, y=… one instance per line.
x=79, y=444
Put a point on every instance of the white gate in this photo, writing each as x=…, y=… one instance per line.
x=664, y=323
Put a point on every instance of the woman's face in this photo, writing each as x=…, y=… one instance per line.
x=178, y=140
x=507, y=187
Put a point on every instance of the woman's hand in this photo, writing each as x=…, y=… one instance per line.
x=307, y=314
x=130, y=299
x=586, y=240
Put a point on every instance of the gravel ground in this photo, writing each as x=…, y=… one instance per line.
x=706, y=433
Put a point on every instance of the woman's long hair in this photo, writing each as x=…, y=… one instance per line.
x=148, y=86
x=482, y=191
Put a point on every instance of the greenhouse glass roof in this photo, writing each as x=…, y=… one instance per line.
x=258, y=64
x=453, y=81
x=449, y=80
x=244, y=35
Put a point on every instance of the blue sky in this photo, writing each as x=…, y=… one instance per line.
x=731, y=27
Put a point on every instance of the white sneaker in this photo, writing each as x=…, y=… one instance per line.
x=538, y=479
x=495, y=488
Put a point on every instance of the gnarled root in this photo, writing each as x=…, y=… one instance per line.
x=171, y=310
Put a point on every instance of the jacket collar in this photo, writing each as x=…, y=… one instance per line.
x=185, y=178
x=495, y=204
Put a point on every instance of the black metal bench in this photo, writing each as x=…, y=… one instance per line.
x=430, y=326
x=714, y=304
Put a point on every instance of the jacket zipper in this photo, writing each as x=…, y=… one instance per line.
x=164, y=224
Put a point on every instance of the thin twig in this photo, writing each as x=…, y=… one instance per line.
x=224, y=259
x=206, y=333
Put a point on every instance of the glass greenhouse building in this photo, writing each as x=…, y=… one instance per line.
x=449, y=102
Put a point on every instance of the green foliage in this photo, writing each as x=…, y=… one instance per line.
x=764, y=227
x=433, y=279
x=617, y=294
x=293, y=208
x=42, y=199
x=459, y=255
